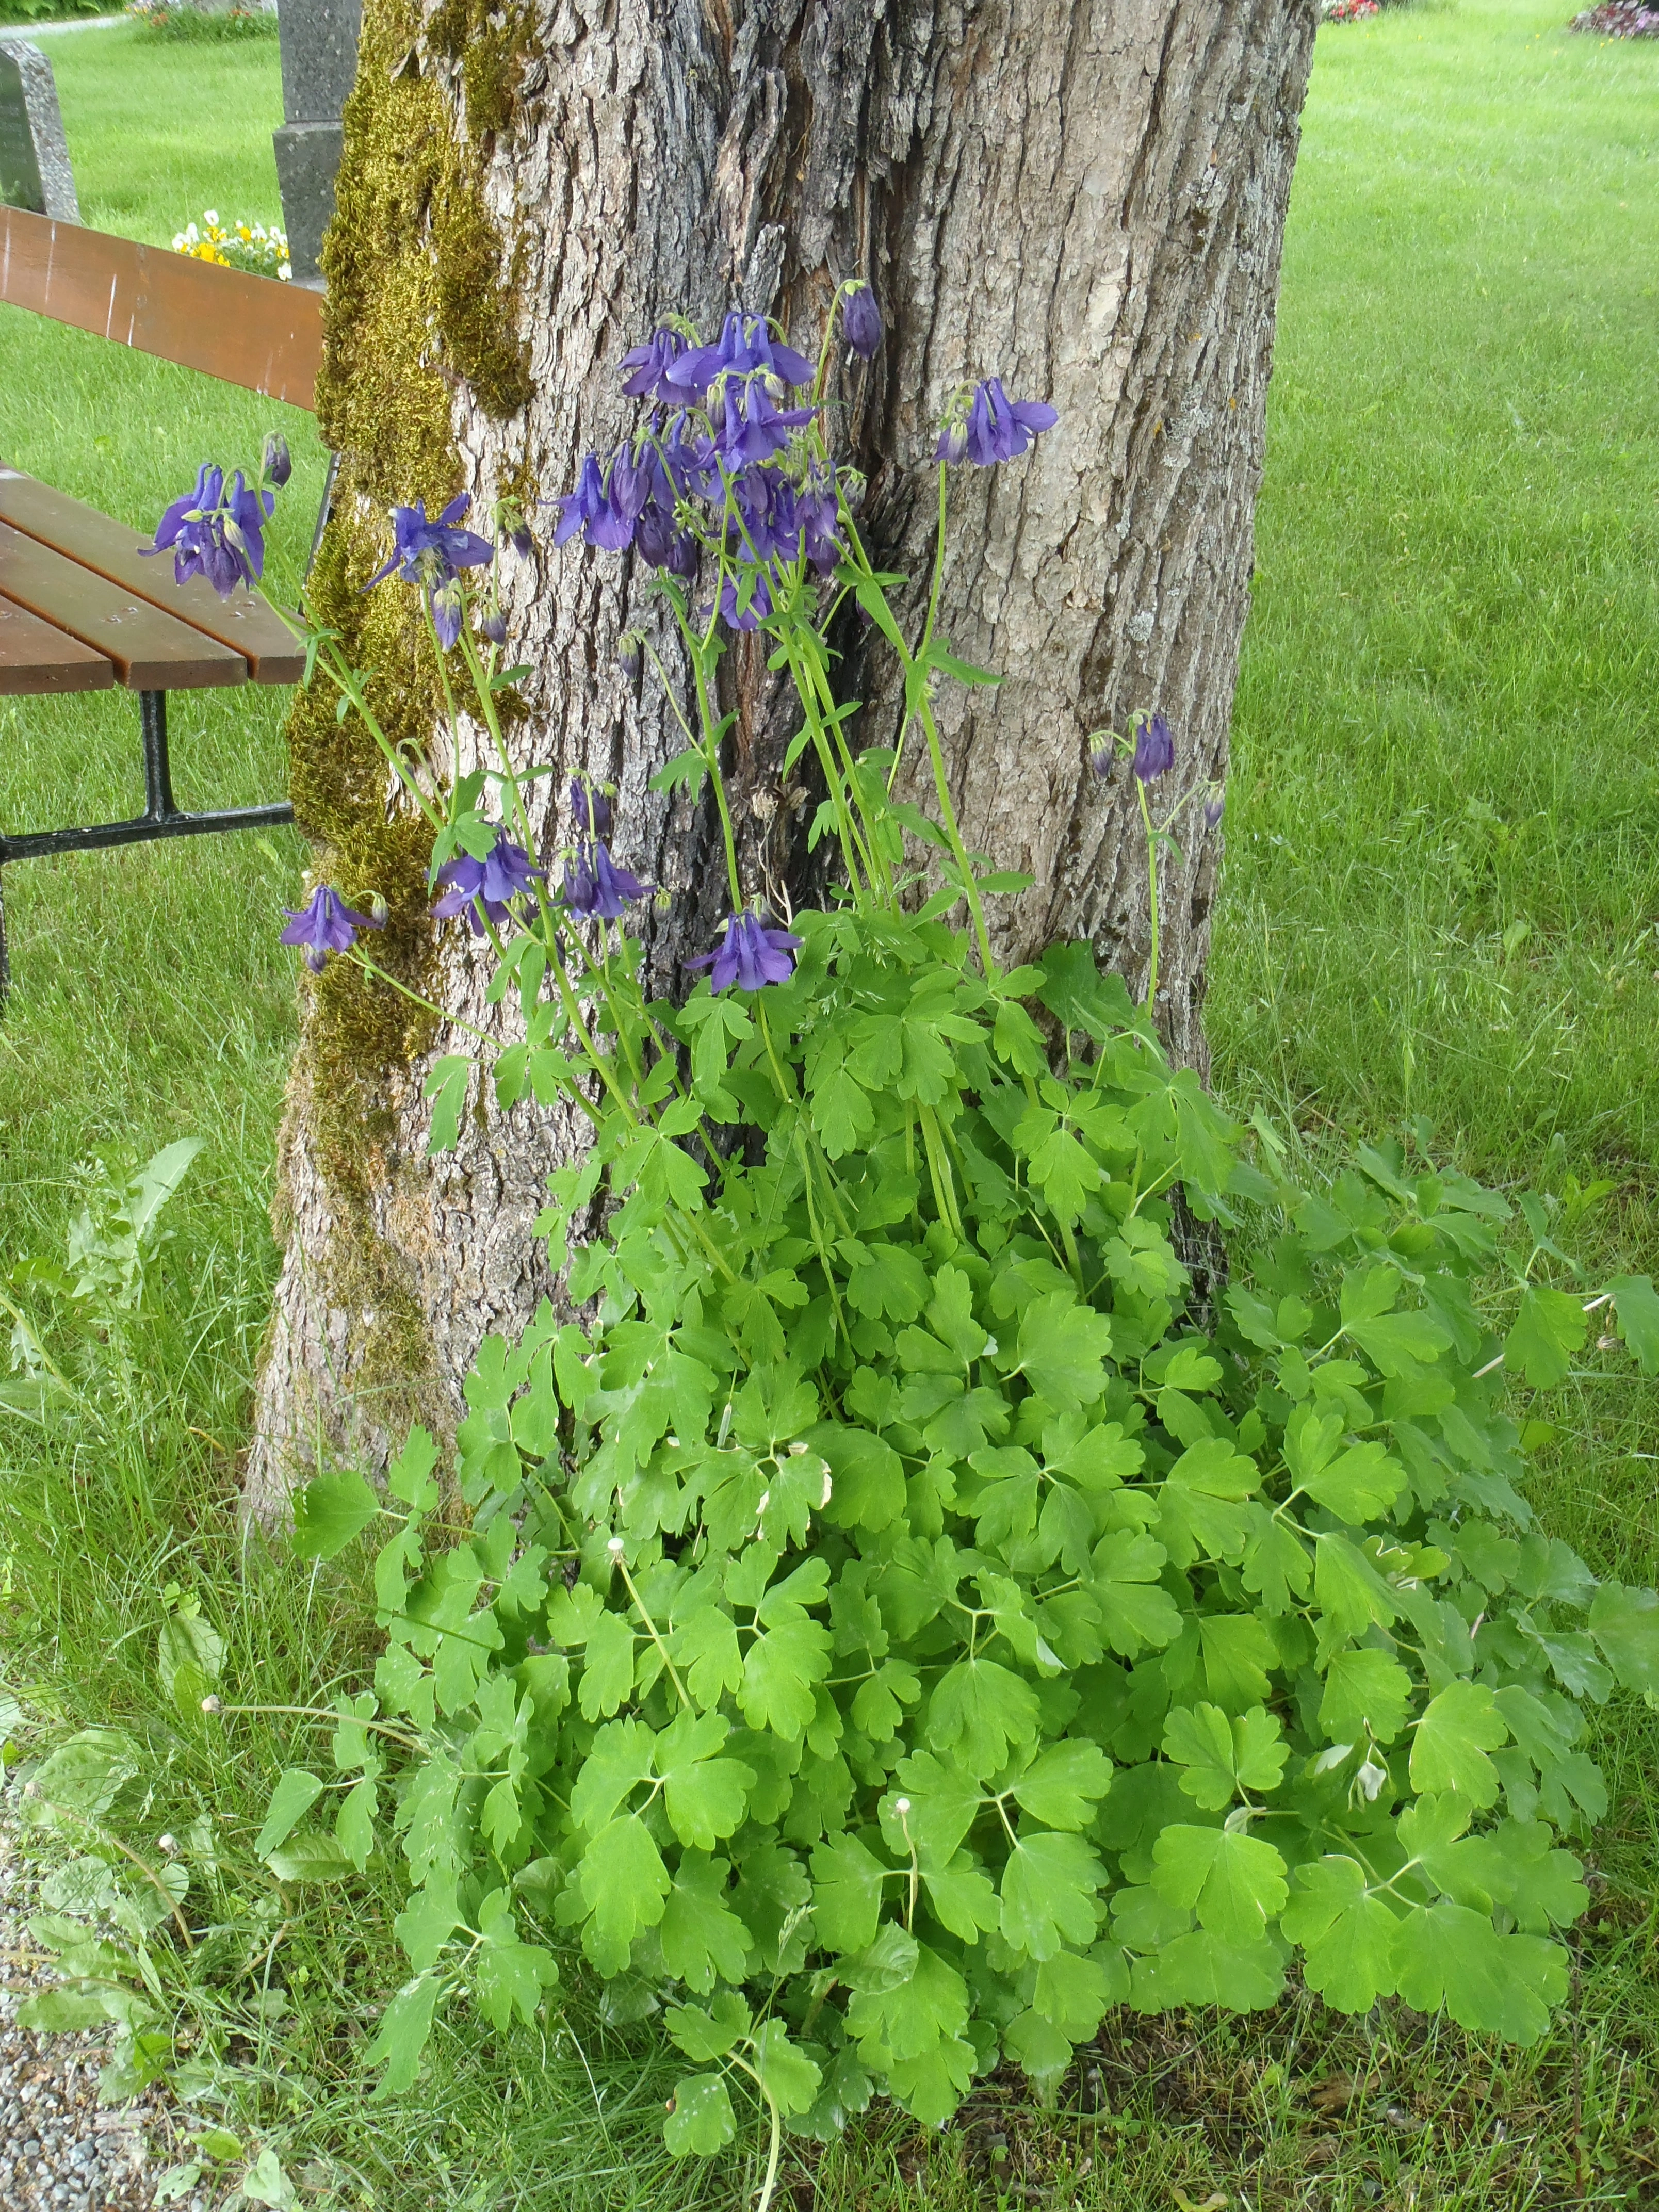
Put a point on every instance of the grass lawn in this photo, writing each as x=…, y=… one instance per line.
x=1442, y=899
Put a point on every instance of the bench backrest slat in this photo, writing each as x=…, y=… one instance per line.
x=251, y=330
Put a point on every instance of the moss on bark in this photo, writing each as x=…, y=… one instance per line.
x=418, y=300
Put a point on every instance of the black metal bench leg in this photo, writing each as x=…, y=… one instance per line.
x=159, y=802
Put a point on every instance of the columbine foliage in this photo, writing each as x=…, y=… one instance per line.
x=899, y=1620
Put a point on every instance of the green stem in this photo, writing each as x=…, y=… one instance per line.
x=1152, y=896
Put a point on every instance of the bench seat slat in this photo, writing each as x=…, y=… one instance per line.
x=151, y=651
x=35, y=659
x=246, y=624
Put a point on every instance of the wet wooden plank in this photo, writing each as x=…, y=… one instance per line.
x=35, y=659
x=251, y=330
x=246, y=625
x=151, y=651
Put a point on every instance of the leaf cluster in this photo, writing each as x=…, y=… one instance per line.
x=900, y=1621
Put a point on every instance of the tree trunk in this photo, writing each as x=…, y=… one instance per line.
x=1086, y=197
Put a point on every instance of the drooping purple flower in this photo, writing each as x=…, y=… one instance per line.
x=1154, y=749
x=750, y=955
x=595, y=886
x=952, y=442
x=819, y=515
x=324, y=926
x=860, y=321
x=749, y=617
x=687, y=456
x=661, y=545
x=755, y=428
x=215, y=536
x=606, y=504
x=1102, y=758
x=590, y=806
x=493, y=626
x=1213, y=810
x=767, y=521
x=650, y=364
x=999, y=428
x=745, y=344
x=580, y=506
x=430, y=553
x=504, y=873
x=521, y=541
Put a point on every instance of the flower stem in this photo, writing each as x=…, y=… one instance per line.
x=1152, y=895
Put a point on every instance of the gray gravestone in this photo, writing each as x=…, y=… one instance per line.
x=34, y=162
x=319, y=64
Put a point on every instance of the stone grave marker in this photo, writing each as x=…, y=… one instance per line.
x=34, y=162
x=319, y=63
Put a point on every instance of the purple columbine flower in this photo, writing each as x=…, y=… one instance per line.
x=1213, y=810
x=650, y=364
x=214, y=536
x=493, y=626
x=521, y=541
x=606, y=506
x=325, y=926
x=1102, y=758
x=504, y=873
x=749, y=617
x=750, y=955
x=430, y=553
x=755, y=428
x=594, y=885
x=745, y=344
x=818, y=513
x=860, y=321
x=661, y=545
x=998, y=428
x=1154, y=750
x=590, y=805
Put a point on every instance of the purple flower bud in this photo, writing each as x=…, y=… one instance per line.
x=447, y=612
x=493, y=626
x=952, y=442
x=1154, y=750
x=327, y=925
x=860, y=321
x=630, y=658
x=278, y=465
x=521, y=541
x=1102, y=758
x=1213, y=810
x=750, y=955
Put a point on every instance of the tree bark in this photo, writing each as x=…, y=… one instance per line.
x=1085, y=197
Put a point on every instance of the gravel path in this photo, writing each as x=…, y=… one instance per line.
x=60, y=2150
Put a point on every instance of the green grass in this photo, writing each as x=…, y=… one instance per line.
x=1441, y=899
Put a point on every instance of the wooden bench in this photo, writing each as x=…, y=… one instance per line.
x=81, y=610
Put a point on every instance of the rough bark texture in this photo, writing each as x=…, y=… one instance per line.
x=1086, y=197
